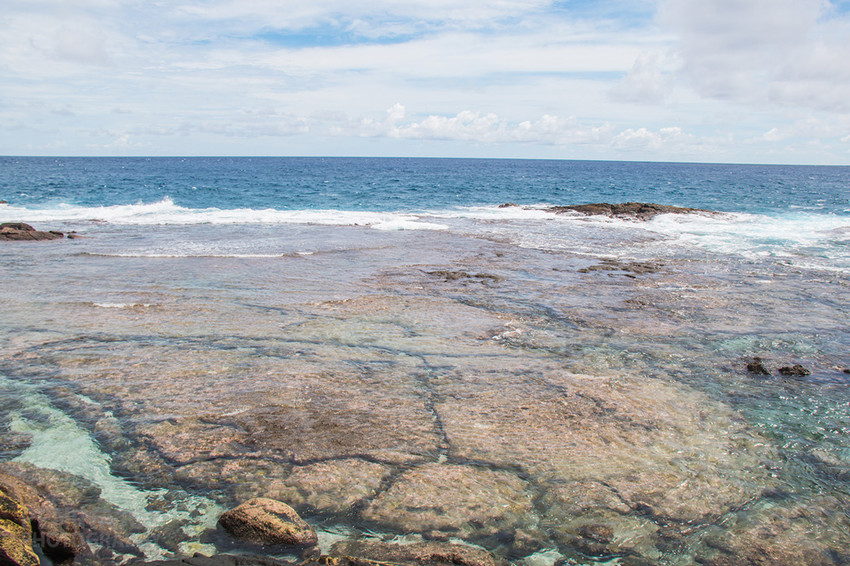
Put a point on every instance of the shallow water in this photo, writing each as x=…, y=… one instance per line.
x=380, y=345
x=510, y=383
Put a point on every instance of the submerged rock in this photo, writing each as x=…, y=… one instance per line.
x=431, y=553
x=266, y=521
x=444, y=500
x=456, y=275
x=18, y=231
x=636, y=210
x=756, y=366
x=218, y=560
x=794, y=371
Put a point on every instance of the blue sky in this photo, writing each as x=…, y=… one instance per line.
x=763, y=81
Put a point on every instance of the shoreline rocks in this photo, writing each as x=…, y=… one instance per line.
x=631, y=210
x=15, y=532
x=19, y=231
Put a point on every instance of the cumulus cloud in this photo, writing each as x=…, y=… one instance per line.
x=787, y=52
x=544, y=77
x=478, y=127
x=648, y=81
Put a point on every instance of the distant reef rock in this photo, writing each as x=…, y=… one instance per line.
x=18, y=231
x=631, y=210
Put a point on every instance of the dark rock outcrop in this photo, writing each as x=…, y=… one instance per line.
x=636, y=210
x=756, y=367
x=457, y=275
x=794, y=371
x=267, y=521
x=18, y=231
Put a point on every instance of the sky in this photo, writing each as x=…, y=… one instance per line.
x=753, y=81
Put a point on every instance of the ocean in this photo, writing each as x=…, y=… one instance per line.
x=423, y=352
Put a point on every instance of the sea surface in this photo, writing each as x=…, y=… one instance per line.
x=380, y=344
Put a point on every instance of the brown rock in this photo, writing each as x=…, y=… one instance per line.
x=442, y=500
x=218, y=560
x=636, y=210
x=18, y=231
x=16, y=550
x=794, y=371
x=65, y=510
x=15, y=533
x=266, y=521
x=431, y=553
x=756, y=367
x=598, y=533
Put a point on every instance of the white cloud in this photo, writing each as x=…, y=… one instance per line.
x=478, y=127
x=649, y=81
x=784, y=52
x=736, y=78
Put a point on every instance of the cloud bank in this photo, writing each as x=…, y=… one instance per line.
x=764, y=80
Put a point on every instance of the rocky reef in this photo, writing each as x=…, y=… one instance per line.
x=18, y=231
x=631, y=210
x=483, y=404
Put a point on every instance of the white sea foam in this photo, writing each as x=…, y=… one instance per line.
x=803, y=238
x=166, y=212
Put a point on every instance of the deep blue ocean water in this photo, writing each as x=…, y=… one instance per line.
x=396, y=184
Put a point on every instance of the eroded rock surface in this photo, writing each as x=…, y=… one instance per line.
x=267, y=521
x=443, y=500
x=431, y=553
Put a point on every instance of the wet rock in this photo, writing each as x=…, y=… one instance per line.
x=430, y=553
x=598, y=533
x=635, y=210
x=456, y=275
x=170, y=535
x=441, y=500
x=67, y=511
x=267, y=521
x=847, y=371
x=794, y=371
x=338, y=486
x=18, y=231
x=800, y=533
x=57, y=536
x=507, y=205
x=217, y=560
x=756, y=367
x=13, y=443
x=15, y=532
x=15, y=550
x=630, y=268
x=343, y=561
